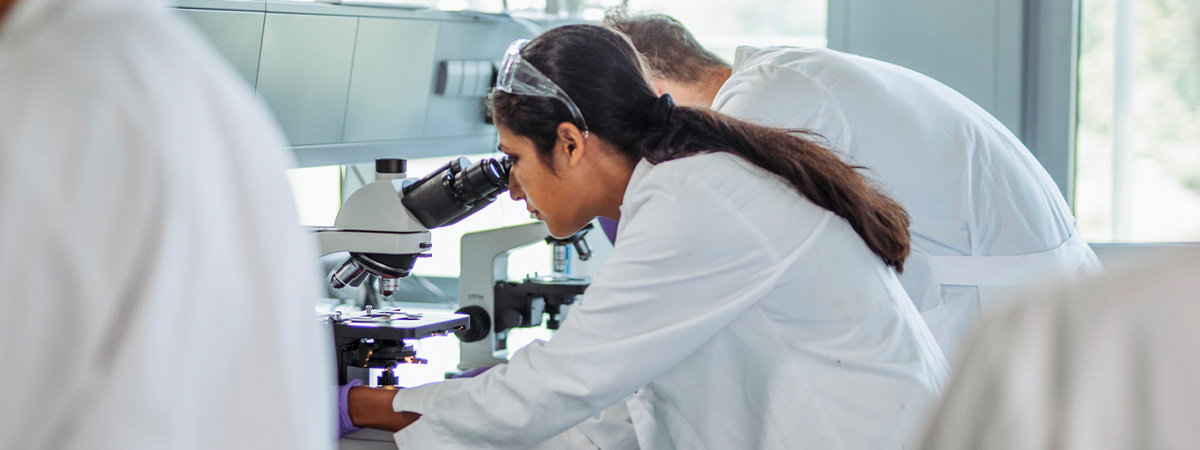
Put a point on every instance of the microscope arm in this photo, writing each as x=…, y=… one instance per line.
x=484, y=261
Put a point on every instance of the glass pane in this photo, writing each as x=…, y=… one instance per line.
x=489, y=6
x=722, y=26
x=317, y=194
x=587, y=10
x=1138, y=145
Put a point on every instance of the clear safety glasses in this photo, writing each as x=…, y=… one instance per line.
x=519, y=77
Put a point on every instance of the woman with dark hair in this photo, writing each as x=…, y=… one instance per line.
x=751, y=300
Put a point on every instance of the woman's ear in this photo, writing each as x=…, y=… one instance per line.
x=571, y=143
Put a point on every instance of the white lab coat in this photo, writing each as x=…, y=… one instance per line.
x=156, y=287
x=737, y=313
x=986, y=219
x=1106, y=364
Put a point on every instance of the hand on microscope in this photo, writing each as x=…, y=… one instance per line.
x=364, y=407
x=373, y=407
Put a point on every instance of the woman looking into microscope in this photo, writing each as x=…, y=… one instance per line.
x=751, y=300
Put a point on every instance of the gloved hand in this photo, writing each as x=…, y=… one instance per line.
x=345, y=425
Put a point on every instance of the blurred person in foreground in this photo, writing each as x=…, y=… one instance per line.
x=1108, y=363
x=156, y=286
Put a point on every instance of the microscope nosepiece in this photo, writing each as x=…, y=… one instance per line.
x=360, y=266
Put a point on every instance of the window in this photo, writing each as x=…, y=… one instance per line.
x=1138, y=143
x=722, y=26
x=592, y=10
x=541, y=10
x=318, y=194
x=492, y=6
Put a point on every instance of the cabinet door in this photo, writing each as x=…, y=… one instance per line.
x=453, y=115
x=304, y=74
x=389, y=87
x=237, y=35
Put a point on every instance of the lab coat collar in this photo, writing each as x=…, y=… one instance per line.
x=742, y=54
x=639, y=173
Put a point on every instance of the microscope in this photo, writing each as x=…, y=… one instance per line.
x=385, y=227
x=496, y=305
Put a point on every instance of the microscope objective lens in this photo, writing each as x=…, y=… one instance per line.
x=388, y=286
x=347, y=274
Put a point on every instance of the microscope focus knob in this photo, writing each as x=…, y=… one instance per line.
x=508, y=320
x=479, y=326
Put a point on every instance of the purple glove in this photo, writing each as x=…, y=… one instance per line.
x=345, y=425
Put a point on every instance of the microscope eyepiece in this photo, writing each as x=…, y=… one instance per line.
x=391, y=165
x=483, y=179
x=455, y=191
x=506, y=164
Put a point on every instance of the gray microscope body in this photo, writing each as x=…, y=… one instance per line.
x=385, y=227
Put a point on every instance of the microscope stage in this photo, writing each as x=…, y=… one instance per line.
x=396, y=325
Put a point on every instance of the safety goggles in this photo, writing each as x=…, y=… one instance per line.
x=519, y=77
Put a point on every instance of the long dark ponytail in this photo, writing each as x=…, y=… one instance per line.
x=603, y=74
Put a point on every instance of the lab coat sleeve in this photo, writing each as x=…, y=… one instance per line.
x=786, y=98
x=685, y=266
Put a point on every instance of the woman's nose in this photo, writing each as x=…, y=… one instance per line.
x=514, y=189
